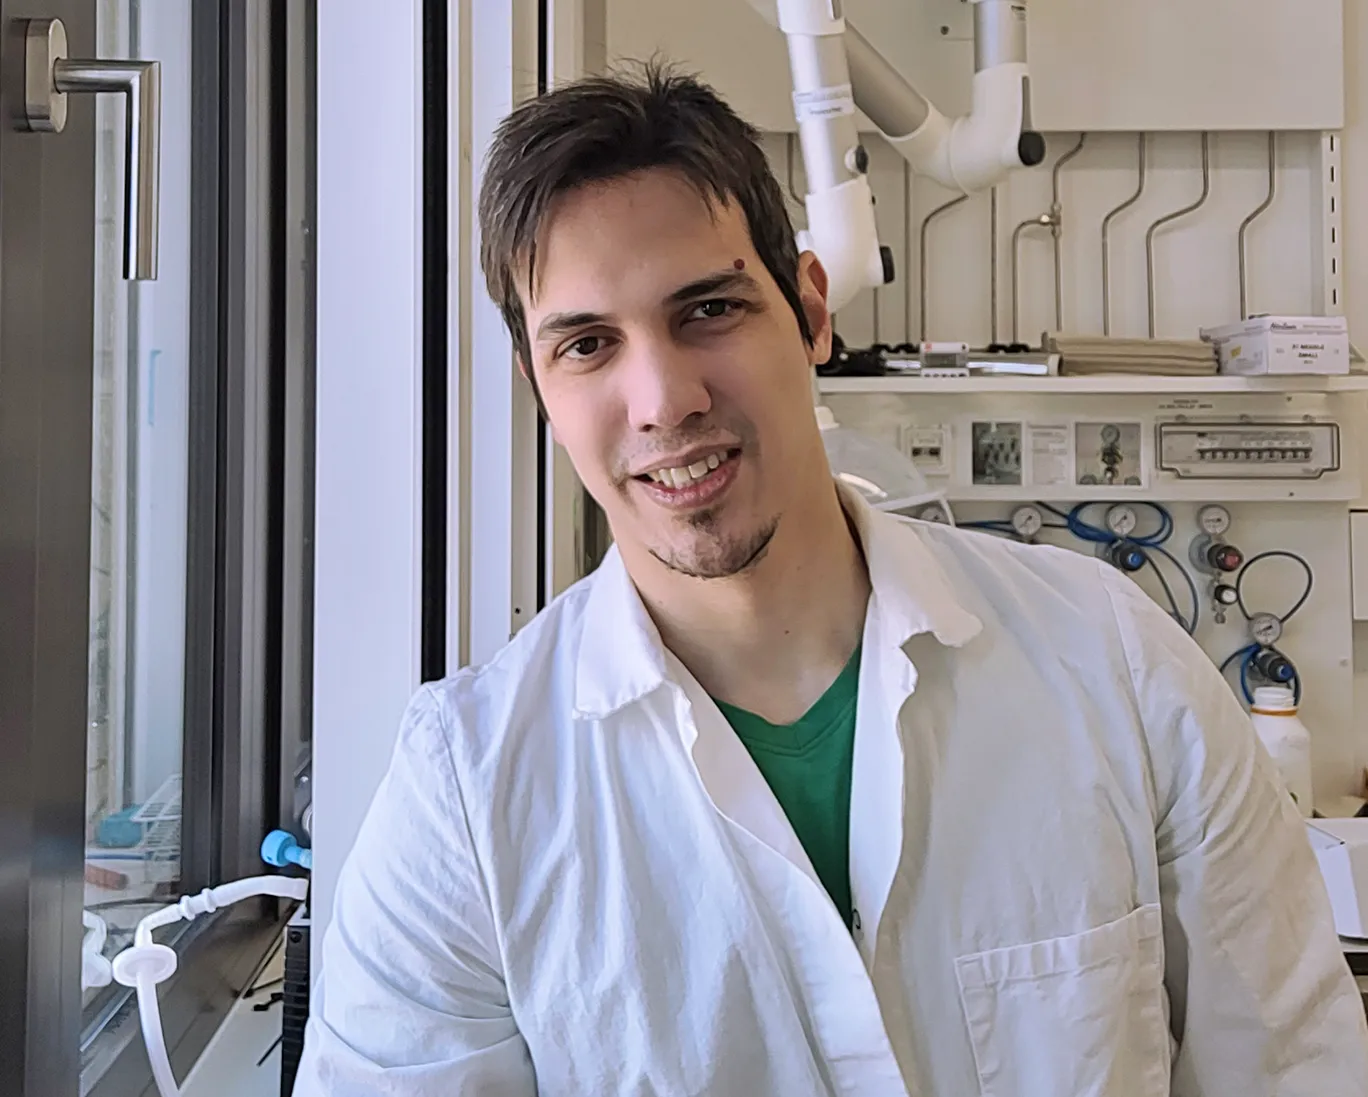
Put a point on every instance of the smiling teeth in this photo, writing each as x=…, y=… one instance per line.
x=679, y=477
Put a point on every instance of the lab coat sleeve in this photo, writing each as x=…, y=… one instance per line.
x=410, y=1000
x=1262, y=1000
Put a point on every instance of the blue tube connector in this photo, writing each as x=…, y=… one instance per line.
x=281, y=849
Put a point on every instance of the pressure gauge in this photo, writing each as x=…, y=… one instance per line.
x=934, y=513
x=1027, y=521
x=1213, y=520
x=1121, y=520
x=1265, y=629
x=1111, y=434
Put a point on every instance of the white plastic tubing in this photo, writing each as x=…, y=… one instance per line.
x=145, y=963
x=969, y=153
x=840, y=205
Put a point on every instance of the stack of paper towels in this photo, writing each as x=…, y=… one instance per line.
x=1092, y=354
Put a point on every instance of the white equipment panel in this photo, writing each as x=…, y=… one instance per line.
x=1096, y=65
x=1018, y=447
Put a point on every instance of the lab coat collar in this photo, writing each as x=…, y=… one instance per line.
x=622, y=658
x=912, y=592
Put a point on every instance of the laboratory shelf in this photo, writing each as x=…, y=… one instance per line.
x=1092, y=385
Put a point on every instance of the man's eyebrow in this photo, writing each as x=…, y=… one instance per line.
x=559, y=323
x=722, y=281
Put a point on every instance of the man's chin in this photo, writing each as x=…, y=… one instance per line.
x=718, y=558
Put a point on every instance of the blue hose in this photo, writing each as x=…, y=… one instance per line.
x=1088, y=531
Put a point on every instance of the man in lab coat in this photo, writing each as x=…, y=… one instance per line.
x=792, y=797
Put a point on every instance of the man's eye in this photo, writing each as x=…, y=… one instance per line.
x=715, y=309
x=586, y=347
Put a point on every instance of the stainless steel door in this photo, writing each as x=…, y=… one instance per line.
x=47, y=253
x=50, y=208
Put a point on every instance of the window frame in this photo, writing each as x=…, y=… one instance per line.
x=249, y=558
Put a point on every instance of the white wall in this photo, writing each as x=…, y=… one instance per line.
x=366, y=549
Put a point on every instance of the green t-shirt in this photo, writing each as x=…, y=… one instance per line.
x=808, y=766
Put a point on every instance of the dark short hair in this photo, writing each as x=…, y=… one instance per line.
x=604, y=127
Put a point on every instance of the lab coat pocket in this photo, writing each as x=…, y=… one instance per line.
x=1078, y=1016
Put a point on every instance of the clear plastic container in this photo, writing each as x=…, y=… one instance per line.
x=1284, y=736
x=883, y=474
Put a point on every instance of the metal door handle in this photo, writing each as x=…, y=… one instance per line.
x=50, y=75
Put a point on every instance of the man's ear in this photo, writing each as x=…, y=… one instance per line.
x=812, y=291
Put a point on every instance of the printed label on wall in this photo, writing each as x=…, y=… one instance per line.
x=1050, y=452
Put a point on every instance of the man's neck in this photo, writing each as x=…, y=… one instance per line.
x=772, y=640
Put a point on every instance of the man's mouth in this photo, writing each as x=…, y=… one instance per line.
x=684, y=475
x=693, y=484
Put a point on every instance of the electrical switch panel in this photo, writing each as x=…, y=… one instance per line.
x=1249, y=451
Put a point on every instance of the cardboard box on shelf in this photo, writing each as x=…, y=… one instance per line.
x=1281, y=345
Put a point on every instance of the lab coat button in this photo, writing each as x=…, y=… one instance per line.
x=855, y=922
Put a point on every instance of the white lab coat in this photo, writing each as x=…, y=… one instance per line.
x=1073, y=869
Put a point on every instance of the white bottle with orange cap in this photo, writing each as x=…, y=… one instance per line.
x=1284, y=736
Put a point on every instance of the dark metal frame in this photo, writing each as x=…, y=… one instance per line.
x=245, y=720
x=295, y=150
x=248, y=562
x=436, y=495
x=208, y=80
x=545, y=441
x=46, y=336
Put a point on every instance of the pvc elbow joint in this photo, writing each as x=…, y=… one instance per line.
x=987, y=144
x=842, y=233
x=979, y=150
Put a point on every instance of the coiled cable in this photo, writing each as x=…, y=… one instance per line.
x=1270, y=554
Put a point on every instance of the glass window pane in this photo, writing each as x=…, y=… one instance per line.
x=139, y=514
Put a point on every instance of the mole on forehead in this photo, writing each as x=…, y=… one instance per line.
x=739, y=264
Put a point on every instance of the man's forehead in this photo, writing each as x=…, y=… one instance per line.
x=653, y=193
x=653, y=230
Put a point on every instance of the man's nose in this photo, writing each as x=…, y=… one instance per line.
x=664, y=386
